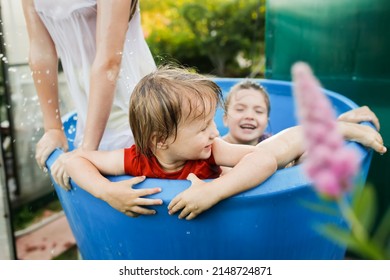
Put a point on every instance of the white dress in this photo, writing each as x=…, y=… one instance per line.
x=72, y=26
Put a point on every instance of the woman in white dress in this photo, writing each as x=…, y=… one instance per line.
x=103, y=54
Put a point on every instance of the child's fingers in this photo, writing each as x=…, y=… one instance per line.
x=184, y=213
x=379, y=138
x=191, y=216
x=136, y=180
x=175, y=205
x=371, y=117
x=379, y=148
x=146, y=192
x=131, y=214
x=193, y=178
x=375, y=120
x=143, y=192
x=142, y=210
x=378, y=144
x=148, y=201
x=57, y=173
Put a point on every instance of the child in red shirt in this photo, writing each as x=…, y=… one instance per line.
x=172, y=118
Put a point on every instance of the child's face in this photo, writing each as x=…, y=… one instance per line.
x=247, y=116
x=194, y=139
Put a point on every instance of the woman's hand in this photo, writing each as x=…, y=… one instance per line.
x=193, y=201
x=52, y=139
x=121, y=196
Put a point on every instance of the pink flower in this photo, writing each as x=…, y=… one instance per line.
x=329, y=164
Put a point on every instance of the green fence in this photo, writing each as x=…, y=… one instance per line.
x=347, y=42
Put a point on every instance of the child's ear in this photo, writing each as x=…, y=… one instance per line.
x=158, y=143
x=162, y=145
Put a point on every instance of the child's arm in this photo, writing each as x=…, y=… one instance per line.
x=254, y=168
x=360, y=114
x=256, y=165
x=86, y=169
x=362, y=134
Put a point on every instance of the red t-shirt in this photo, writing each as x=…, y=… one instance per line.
x=138, y=165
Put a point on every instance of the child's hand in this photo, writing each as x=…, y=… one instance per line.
x=368, y=137
x=360, y=114
x=58, y=170
x=194, y=200
x=129, y=201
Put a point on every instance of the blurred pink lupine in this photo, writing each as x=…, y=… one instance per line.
x=330, y=164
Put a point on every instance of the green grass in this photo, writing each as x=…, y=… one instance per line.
x=70, y=254
x=31, y=213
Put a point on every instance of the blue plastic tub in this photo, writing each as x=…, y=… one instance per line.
x=270, y=221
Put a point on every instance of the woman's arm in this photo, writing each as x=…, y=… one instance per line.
x=112, y=24
x=43, y=63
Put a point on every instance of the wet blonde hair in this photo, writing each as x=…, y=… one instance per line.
x=166, y=98
x=247, y=84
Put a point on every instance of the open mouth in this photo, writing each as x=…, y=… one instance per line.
x=248, y=126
